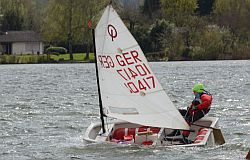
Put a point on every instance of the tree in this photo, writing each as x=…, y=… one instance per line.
x=160, y=30
x=151, y=7
x=58, y=23
x=12, y=15
x=12, y=21
x=33, y=14
x=66, y=21
x=234, y=14
x=178, y=11
x=129, y=11
x=70, y=19
x=205, y=7
x=20, y=15
x=91, y=12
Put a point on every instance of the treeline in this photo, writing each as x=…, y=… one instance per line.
x=177, y=29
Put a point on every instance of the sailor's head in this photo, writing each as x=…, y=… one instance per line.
x=198, y=88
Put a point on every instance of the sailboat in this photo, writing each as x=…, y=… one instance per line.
x=130, y=96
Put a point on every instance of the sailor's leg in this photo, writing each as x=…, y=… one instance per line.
x=186, y=116
x=191, y=119
x=176, y=132
x=183, y=112
x=197, y=115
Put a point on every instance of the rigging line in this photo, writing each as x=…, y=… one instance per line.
x=107, y=126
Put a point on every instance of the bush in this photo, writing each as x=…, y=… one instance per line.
x=160, y=30
x=56, y=50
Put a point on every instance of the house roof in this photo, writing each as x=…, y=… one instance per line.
x=20, y=36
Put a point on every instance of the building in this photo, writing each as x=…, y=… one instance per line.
x=21, y=42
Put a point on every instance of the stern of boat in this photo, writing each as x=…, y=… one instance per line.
x=199, y=135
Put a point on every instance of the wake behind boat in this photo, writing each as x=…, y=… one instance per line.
x=130, y=93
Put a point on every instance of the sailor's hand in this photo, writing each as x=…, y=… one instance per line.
x=194, y=107
x=195, y=102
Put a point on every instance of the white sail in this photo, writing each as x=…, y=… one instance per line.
x=129, y=89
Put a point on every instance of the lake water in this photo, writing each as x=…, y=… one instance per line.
x=46, y=108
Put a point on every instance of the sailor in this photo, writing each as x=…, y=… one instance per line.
x=199, y=108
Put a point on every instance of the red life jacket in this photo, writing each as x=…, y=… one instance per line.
x=206, y=101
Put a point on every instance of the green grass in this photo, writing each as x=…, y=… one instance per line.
x=76, y=57
x=25, y=59
x=22, y=59
x=79, y=56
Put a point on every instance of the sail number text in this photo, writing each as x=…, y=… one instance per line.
x=131, y=69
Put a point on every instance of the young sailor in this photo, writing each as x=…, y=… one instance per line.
x=199, y=108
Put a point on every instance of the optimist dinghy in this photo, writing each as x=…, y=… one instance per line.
x=131, y=95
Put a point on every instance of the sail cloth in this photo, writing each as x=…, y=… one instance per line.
x=129, y=89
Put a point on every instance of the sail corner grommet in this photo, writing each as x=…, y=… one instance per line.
x=119, y=50
x=142, y=93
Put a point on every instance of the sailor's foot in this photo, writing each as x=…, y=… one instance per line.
x=174, y=133
x=185, y=140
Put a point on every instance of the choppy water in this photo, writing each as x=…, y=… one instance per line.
x=46, y=108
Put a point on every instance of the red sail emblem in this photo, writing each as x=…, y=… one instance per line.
x=112, y=31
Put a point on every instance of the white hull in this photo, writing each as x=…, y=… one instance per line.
x=93, y=134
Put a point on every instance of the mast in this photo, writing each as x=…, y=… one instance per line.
x=98, y=84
